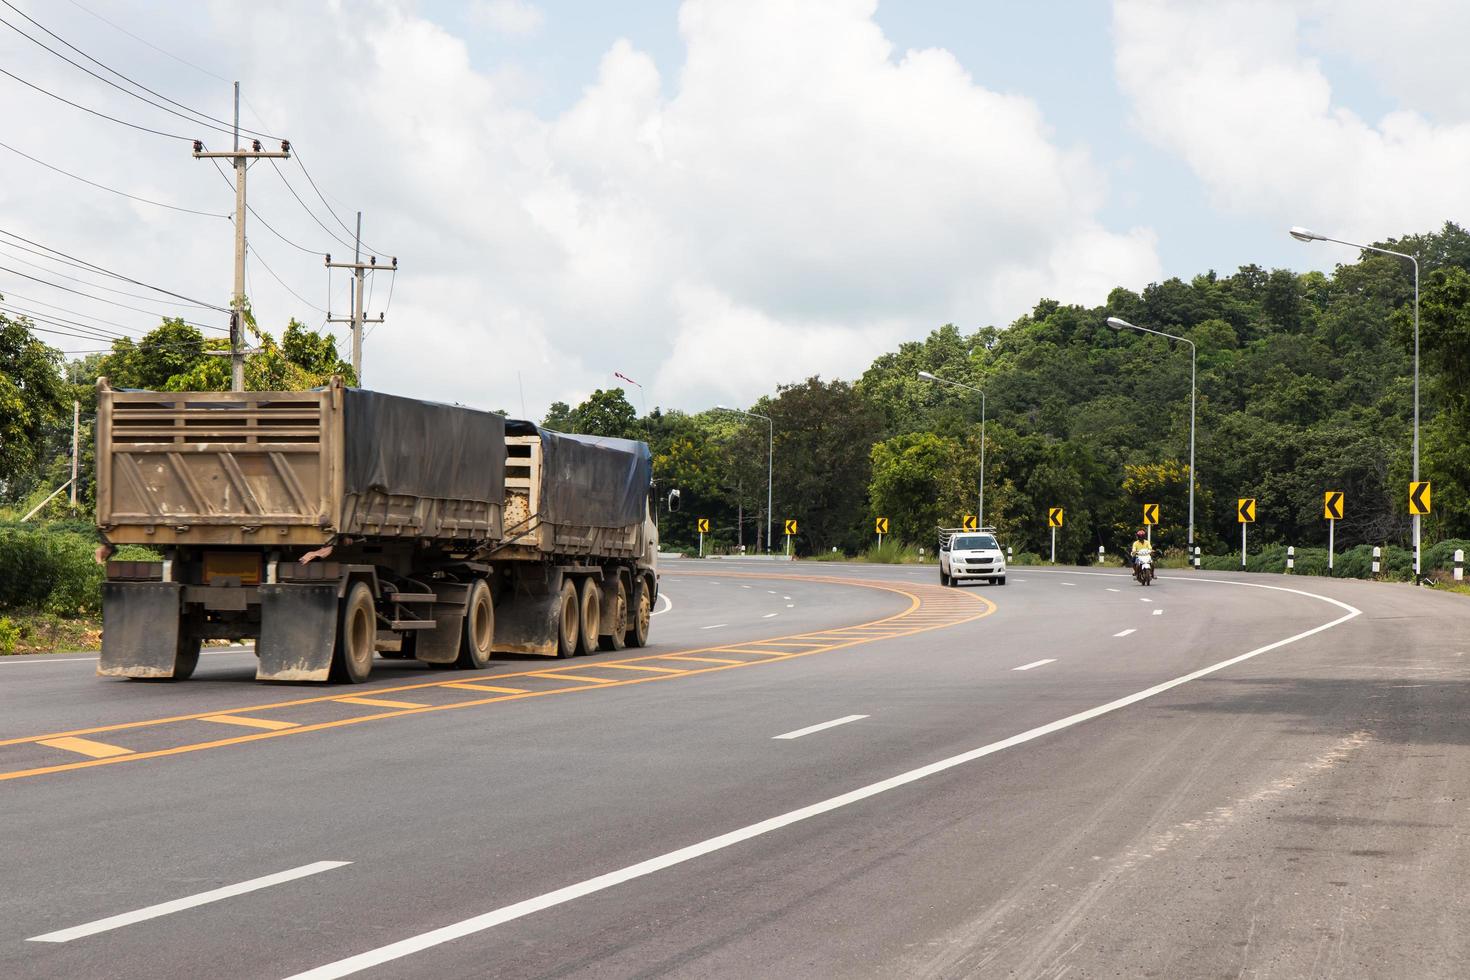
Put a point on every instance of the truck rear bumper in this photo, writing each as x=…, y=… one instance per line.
x=298, y=631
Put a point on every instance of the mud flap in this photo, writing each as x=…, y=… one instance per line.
x=528, y=620
x=298, y=631
x=140, y=628
x=440, y=645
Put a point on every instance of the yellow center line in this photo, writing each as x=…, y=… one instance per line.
x=704, y=660
x=381, y=702
x=719, y=664
x=579, y=677
x=268, y=723
x=656, y=670
x=85, y=746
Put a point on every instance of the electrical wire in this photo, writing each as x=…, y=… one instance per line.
x=278, y=279
x=68, y=289
x=150, y=44
x=230, y=126
x=300, y=163
x=115, y=275
x=103, y=115
x=85, y=282
x=107, y=81
x=110, y=190
x=89, y=316
x=330, y=232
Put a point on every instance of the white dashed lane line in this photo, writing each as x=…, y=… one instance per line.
x=1158, y=612
x=1038, y=663
x=1125, y=632
x=714, y=626
x=770, y=615
x=822, y=727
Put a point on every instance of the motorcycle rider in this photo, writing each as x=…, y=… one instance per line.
x=1140, y=543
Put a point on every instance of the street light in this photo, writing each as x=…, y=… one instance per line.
x=980, y=509
x=1304, y=235
x=1120, y=324
x=770, y=459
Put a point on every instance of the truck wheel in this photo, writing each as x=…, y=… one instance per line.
x=637, y=635
x=568, y=618
x=615, y=638
x=357, y=634
x=186, y=658
x=479, y=628
x=943, y=577
x=589, y=621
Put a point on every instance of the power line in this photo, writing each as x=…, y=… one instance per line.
x=113, y=71
x=150, y=44
x=110, y=190
x=103, y=115
x=114, y=275
x=89, y=316
x=278, y=279
x=105, y=81
x=78, y=292
x=330, y=233
x=85, y=282
x=256, y=214
x=319, y=194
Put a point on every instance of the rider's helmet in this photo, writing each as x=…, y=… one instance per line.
x=1141, y=535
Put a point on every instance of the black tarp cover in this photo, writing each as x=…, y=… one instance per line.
x=402, y=445
x=590, y=481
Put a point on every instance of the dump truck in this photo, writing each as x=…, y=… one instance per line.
x=339, y=524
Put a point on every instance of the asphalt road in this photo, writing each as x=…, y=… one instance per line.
x=1066, y=776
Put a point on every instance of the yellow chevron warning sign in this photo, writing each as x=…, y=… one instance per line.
x=1054, y=517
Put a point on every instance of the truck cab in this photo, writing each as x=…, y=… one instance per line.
x=971, y=556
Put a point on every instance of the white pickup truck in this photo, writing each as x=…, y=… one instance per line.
x=970, y=555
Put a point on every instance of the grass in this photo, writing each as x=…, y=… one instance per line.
x=34, y=631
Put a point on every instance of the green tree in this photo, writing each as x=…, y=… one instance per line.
x=31, y=398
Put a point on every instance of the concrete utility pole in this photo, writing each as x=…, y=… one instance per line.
x=359, y=315
x=76, y=423
x=240, y=158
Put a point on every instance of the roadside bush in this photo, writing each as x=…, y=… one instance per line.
x=9, y=636
x=50, y=570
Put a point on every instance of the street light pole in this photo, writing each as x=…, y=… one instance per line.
x=1304, y=235
x=770, y=460
x=1118, y=323
x=980, y=508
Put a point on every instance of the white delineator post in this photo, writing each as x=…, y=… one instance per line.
x=1101, y=554
x=1290, y=557
x=1196, y=556
x=1377, y=556
x=1459, y=564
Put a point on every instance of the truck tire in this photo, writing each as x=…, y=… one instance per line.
x=943, y=577
x=357, y=635
x=187, y=656
x=568, y=618
x=637, y=635
x=478, y=636
x=589, y=618
x=615, y=638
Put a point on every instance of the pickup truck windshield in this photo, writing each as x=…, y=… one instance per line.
x=972, y=542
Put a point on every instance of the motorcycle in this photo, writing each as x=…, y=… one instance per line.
x=1143, y=567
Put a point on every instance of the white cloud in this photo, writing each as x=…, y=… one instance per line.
x=514, y=17
x=794, y=199
x=1233, y=89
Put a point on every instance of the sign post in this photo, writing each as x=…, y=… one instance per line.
x=1150, y=518
x=1331, y=509
x=790, y=533
x=1054, y=518
x=881, y=526
x=1245, y=513
x=1419, y=504
x=703, y=525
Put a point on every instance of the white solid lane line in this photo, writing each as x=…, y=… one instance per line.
x=590, y=886
x=714, y=626
x=1125, y=632
x=47, y=658
x=822, y=727
x=179, y=904
x=1039, y=663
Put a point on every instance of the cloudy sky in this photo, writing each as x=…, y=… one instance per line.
x=712, y=196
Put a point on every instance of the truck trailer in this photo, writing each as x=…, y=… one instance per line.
x=333, y=525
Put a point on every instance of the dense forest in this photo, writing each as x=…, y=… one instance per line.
x=1305, y=384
